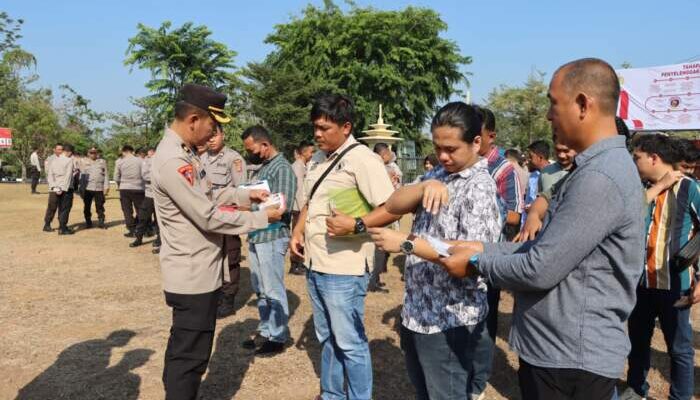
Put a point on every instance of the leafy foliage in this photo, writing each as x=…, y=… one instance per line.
x=521, y=112
x=394, y=58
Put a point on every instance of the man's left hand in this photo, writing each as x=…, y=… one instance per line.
x=258, y=195
x=695, y=294
x=457, y=264
x=387, y=239
x=339, y=224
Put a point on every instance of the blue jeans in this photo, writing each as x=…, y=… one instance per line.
x=440, y=364
x=338, y=303
x=678, y=333
x=267, y=279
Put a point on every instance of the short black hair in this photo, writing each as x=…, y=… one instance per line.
x=596, y=77
x=432, y=159
x=127, y=147
x=541, y=148
x=459, y=115
x=68, y=147
x=183, y=109
x=379, y=147
x=303, y=144
x=258, y=133
x=687, y=150
x=513, y=153
x=58, y=144
x=488, y=119
x=141, y=150
x=661, y=145
x=333, y=107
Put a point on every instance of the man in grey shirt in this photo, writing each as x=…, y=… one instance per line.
x=127, y=174
x=574, y=285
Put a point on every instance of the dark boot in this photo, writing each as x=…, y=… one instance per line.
x=138, y=242
x=101, y=223
x=65, y=231
x=226, y=306
x=47, y=228
x=88, y=224
x=130, y=234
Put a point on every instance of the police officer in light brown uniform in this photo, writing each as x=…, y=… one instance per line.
x=226, y=168
x=192, y=231
x=94, y=185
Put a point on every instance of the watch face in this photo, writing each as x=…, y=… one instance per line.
x=407, y=247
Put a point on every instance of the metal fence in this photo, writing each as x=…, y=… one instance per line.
x=412, y=167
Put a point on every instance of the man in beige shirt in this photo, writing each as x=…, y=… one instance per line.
x=52, y=205
x=192, y=228
x=303, y=154
x=127, y=175
x=331, y=234
x=61, y=174
x=94, y=184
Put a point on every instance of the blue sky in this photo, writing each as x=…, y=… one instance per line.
x=83, y=43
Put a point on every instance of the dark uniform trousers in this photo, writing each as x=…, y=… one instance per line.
x=35, y=174
x=190, y=343
x=233, y=249
x=51, y=208
x=99, y=198
x=539, y=383
x=145, y=212
x=131, y=201
x=65, y=203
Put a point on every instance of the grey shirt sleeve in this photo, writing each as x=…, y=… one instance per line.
x=578, y=227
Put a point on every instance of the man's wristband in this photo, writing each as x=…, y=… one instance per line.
x=474, y=261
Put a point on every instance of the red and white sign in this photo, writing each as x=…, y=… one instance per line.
x=660, y=98
x=5, y=138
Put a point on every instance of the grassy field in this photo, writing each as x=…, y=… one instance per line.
x=83, y=317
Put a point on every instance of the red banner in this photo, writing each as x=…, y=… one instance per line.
x=5, y=138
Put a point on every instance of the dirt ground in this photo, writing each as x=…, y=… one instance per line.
x=83, y=317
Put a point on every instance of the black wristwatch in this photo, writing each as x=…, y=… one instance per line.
x=408, y=246
x=360, y=226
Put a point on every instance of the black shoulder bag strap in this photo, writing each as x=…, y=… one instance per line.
x=330, y=168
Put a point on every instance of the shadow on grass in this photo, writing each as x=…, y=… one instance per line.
x=82, y=371
x=230, y=361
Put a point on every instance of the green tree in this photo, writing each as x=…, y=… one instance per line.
x=394, y=58
x=521, y=112
x=174, y=57
x=9, y=31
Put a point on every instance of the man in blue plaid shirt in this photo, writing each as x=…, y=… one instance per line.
x=268, y=246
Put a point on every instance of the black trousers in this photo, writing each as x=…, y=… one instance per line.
x=99, y=198
x=51, y=208
x=233, y=249
x=537, y=383
x=146, y=216
x=131, y=201
x=35, y=175
x=190, y=343
x=65, y=203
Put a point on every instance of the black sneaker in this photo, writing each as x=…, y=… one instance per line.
x=65, y=231
x=130, y=234
x=270, y=348
x=254, y=342
x=47, y=228
x=88, y=224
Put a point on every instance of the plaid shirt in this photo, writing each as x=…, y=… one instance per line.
x=507, y=180
x=280, y=176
